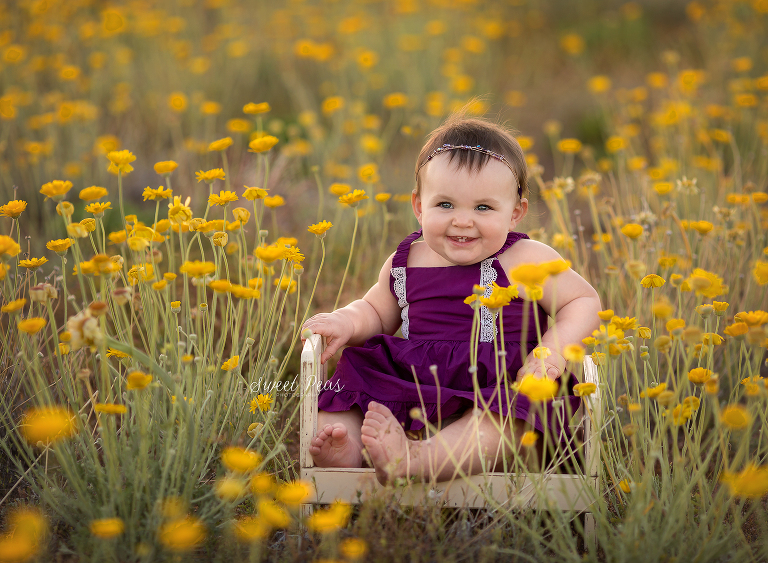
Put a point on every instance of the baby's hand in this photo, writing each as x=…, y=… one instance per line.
x=552, y=366
x=336, y=327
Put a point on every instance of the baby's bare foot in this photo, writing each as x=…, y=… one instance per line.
x=385, y=442
x=333, y=447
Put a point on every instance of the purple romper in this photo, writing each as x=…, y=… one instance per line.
x=436, y=328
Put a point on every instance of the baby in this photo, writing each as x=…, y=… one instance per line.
x=471, y=188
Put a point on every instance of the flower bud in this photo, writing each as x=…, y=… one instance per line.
x=122, y=295
x=98, y=308
x=65, y=209
x=220, y=239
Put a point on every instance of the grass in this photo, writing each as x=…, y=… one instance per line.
x=645, y=131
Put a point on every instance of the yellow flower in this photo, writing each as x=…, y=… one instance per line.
x=120, y=161
x=165, y=167
x=702, y=227
x=33, y=263
x=241, y=214
x=157, y=193
x=338, y=189
x=541, y=352
x=707, y=284
x=569, y=146
x=760, y=272
x=273, y=514
x=13, y=208
x=197, y=268
x=94, y=192
x=222, y=198
x=137, y=380
x=254, y=193
x=615, y=144
x=254, y=109
x=644, y=332
x=752, y=318
x=653, y=392
x=555, y=267
x=106, y=528
x=239, y=459
x=662, y=309
x=584, y=389
x=231, y=363
x=325, y=521
x=737, y=329
x=13, y=306
x=320, y=228
x=261, y=402
x=210, y=175
x=251, y=528
x=382, y=197
x=220, y=286
x=274, y=201
x=624, y=323
x=262, y=483
x=751, y=482
x=110, y=408
x=574, y=353
x=47, y=424
x=32, y=325
x=606, y=315
x=353, y=548
x=368, y=173
x=632, y=230
x=182, y=534
x=286, y=284
x=625, y=486
x=530, y=275
x=112, y=353
x=735, y=417
x=97, y=208
x=652, y=280
x=294, y=493
x=353, y=198
x=699, y=376
x=179, y=212
x=56, y=189
x=8, y=246
x=221, y=144
x=262, y=144
x=528, y=439
x=538, y=388
x=117, y=237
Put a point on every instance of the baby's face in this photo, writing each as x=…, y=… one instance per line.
x=466, y=215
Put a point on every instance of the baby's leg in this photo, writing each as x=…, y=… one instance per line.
x=337, y=442
x=462, y=445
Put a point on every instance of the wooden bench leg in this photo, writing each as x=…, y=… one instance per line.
x=590, y=532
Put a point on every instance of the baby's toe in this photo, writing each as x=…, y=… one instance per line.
x=339, y=431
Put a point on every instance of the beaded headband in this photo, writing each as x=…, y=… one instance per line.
x=477, y=148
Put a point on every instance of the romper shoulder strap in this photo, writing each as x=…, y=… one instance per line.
x=400, y=260
x=512, y=238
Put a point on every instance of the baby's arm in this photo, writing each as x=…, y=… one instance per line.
x=376, y=313
x=569, y=298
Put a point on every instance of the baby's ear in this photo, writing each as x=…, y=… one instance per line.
x=416, y=204
x=519, y=213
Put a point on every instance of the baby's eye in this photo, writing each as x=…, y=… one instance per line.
x=445, y=205
x=483, y=207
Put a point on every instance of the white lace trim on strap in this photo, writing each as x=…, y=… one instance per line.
x=488, y=275
x=399, y=275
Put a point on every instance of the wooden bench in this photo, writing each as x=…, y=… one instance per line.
x=573, y=492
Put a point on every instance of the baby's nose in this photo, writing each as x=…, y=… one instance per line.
x=462, y=219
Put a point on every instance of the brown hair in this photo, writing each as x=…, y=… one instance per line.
x=459, y=129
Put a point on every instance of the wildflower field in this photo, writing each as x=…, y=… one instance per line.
x=183, y=183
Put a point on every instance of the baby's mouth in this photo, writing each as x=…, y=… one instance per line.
x=461, y=239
